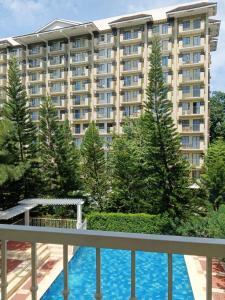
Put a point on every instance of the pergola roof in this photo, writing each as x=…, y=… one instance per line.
x=55, y=201
x=16, y=210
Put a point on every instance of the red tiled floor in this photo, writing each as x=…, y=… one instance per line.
x=218, y=296
x=48, y=265
x=12, y=264
x=27, y=285
x=20, y=296
x=218, y=282
x=22, y=246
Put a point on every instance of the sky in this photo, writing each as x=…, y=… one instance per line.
x=25, y=16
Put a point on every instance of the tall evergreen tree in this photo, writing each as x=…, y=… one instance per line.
x=67, y=158
x=214, y=177
x=166, y=174
x=58, y=154
x=17, y=111
x=47, y=145
x=126, y=172
x=11, y=172
x=217, y=116
x=94, y=165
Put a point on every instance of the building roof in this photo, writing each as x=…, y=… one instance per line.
x=55, y=201
x=133, y=17
x=16, y=210
x=192, y=6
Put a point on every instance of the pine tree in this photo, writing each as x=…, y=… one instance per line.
x=17, y=111
x=67, y=158
x=58, y=154
x=94, y=165
x=11, y=172
x=214, y=178
x=166, y=175
x=47, y=145
x=126, y=172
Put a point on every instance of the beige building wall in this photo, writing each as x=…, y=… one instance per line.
x=98, y=70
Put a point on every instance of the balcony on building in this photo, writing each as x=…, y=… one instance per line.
x=3, y=69
x=19, y=53
x=191, y=42
x=131, y=51
x=163, y=30
x=191, y=126
x=3, y=81
x=59, y=101
x=191, y=108
x=104, y=84
x=104, y=54
x=80, y=101
x=79, y=44
x=79, y=58
x=37, y=90
x=105, y=113
x=104, y=40
x=131, y=111
x=191, y=92
x=37, y=50
x=56, y=75
x=191, y=76
x=106, y=68
x=57, y=88
x=130, y=97
x=80, y=115
x=56, y=61
x=36, y=64
x=192, y=143
x=131, y=81
x=191, y=59
x=3, y=57
x=56, y=47
x=192, y=26
x=131, y=66
x=81, y=86
x=105, y=98
x=35, y=103
x=131, y=36
x=79, y=72
x=36, y=77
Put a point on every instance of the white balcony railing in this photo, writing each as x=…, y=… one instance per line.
x=102, y=239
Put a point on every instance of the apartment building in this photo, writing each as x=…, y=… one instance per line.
x=98, y=70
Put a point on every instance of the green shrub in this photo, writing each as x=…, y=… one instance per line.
x=135, y=223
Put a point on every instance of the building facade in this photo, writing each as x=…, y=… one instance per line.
x=98, y=70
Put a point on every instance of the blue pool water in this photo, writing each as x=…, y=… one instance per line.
x=151, y=276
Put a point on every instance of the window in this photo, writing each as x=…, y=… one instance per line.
x=196, y=125
x=79, y=99
x=34, y=116
x=77, y=128
x=34, y=63
x=104, y=98
x=186, y=58
x=130, y=96
x=196, y=174
x=186, y=41
x=196, y=74
x=78, y=71
x=196, y=91
x=197, y=24
x=186, y=89
x=35, y=102
x=128, y=35
x=186, y=74
x=56, y=100
x=55, y=60
x=165, y=60
x=196, y=159
x=165, y=28
x=101, y=126
x=165, y=77
x=56, y=87
x=34, y=76
x=79, y=85
x=35, y=89
x=128, y=50
x=79, y=43
x=185, y=124
x=104, y=53
x=130, y=80
x=196, y=40
x=104, y=83
x=196, y=142
x=155, y=29
x=196, y=57
x=186, y=25
x=56, y=73
x=56, y=46
x=79, y=57
x=35, y=50
x=130, y=111
x=185, y=141
x=105, y=38
x=196, y=107
x=104, y=68
x=130, y=65
x=77, y=142
x=185, y=107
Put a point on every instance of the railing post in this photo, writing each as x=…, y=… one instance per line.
x=98, y=295
x=65, y=272
x=170, y=276
x=4, y=270
x=133, y=276
x=208, y=278
x=34, y=286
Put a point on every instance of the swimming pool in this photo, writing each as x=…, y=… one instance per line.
x=151, y=276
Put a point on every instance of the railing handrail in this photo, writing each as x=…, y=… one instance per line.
x=116, y=240
x=51, y=219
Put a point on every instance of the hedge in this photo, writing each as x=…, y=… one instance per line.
x=135, y=223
